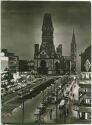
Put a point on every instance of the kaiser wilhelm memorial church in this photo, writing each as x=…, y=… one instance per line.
x=47, y=59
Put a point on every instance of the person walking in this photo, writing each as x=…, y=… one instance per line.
x=50, y=114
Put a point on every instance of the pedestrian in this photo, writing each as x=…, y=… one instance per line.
x=64, y=113
x=60, y=114
x=50, y=114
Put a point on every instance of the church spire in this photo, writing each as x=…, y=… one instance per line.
x=47, y=27
x=73, y=53
x=47, y=35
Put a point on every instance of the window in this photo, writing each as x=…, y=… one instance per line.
x=86, y=89
x=89, y=115
x=85, y=115
x=88, y=101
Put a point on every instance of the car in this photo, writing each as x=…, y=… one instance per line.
x=53, y=100
x=42, y=108
x=61, y=104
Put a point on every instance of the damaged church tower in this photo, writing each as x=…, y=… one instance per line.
x=44, y=56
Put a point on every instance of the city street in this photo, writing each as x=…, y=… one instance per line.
x=45, y=62
x=29, y=109
x=12, y=110
x=13, y=104
x=52, y=104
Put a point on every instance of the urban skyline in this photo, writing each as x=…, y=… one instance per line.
x=45, y=62
x=22, y=23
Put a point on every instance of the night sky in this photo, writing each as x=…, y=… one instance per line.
x=22, y=23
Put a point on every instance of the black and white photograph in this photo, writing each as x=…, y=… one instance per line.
x=45, y=62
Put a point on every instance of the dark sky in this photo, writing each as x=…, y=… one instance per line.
x=22, y=23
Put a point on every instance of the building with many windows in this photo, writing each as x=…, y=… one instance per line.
x=4, y=62
x=86, y=60
x=26, y=65
x=83, y=106
x=85, y=97
x=13, y=61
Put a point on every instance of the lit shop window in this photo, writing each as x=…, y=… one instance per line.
x=86, y=90
x=88, y=101
x=83, y=76
x=89, y=115
x=82, y=115
x=87, y=75
x=85, y=115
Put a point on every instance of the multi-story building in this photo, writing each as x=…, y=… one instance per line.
x=47, y=60
x=26, y=65
x=85, y=96
x=4, y=67
x=86, y=60
x=83, y=106
x=4, y=61
x=23, y=66
x=13, y=61
x=85, y=85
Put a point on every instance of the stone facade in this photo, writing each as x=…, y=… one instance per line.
x=46, y=59
x=13, y=61
x=86, y=60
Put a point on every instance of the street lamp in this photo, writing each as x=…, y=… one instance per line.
x=22, y=99
x=23, y=112
x=56, y=103
x=42, y=96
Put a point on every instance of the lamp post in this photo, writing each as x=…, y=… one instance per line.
x=56, y=104
x=23, y=112
x=70, y=67
x=22, y=107
x=42, y=96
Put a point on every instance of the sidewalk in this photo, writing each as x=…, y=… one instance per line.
x=61, y=117
x=49, y=117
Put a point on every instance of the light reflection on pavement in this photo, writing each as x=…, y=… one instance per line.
x=30, y=106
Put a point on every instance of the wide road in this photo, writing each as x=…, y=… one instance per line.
x=13, y=101
x=10, y=96
x=29, y=108
x=13, y=105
